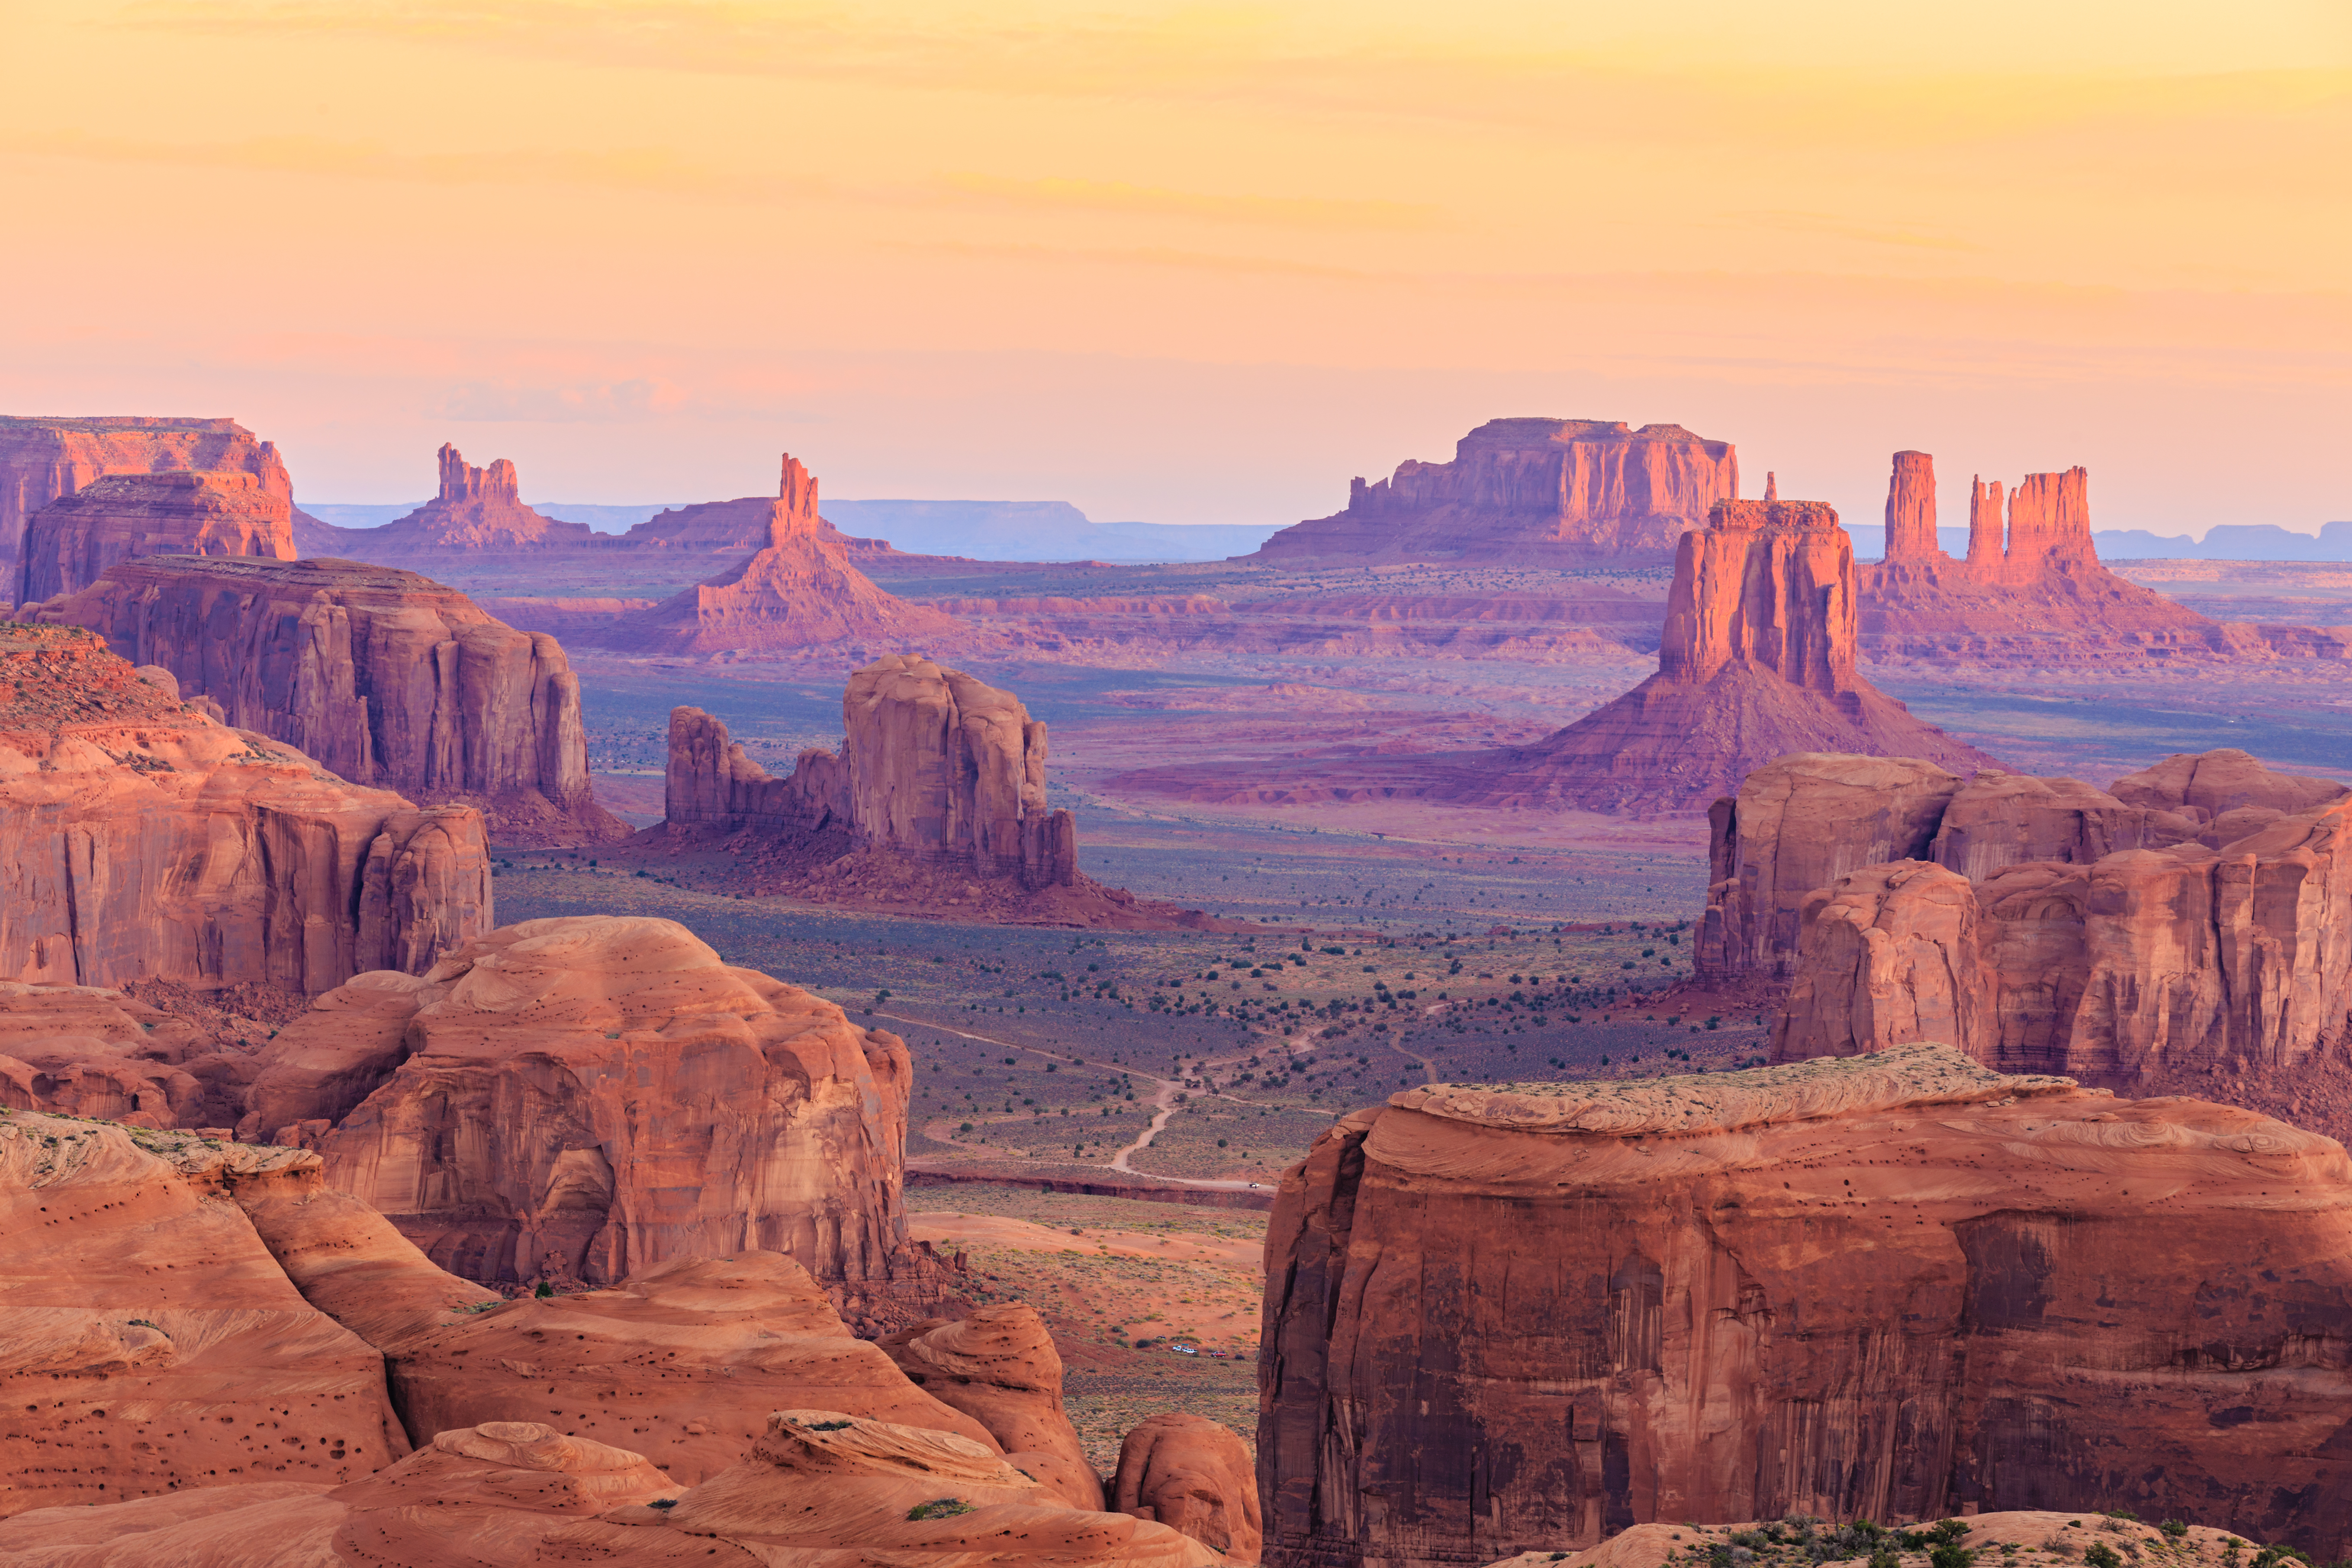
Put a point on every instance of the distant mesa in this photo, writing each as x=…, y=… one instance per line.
x=1757, y=659
x=480, y=511
x=385, y=677
x=2030, y=589
x=799, y=591
x=72, y=541
x=937, y=801
x=1528, y=492
x=43, y=459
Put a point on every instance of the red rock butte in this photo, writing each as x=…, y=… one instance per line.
x=385, y=677
x=70, y=542
x=799, y=591
x=2035, y=594
x=42, y=459
x=1757, y=659
x=1529, y=491
x=1896, y=1286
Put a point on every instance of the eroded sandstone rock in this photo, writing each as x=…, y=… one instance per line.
x=42, y=459
x=1565, y=491
x=1757, y=661
x=82, y=1050
x=581, y=1098
x=798, y=590
x=152, y=1342
x=1195, y=1476
x=998, y=1365
x=72, y=541
x=1897, y=1285
x=385, y=677
x=140, y=838
x=1887, y=959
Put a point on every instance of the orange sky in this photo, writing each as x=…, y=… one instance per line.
x=1193, y=262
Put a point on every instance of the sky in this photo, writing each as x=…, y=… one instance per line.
x=1194, y=263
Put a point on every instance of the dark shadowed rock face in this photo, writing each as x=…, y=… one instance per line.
x=73, y=539
x=140, y=839
x=385, y=677
x=1557, y=491
x=1896, y=1286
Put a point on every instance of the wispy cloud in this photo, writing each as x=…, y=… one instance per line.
x=1116, y=196
x=639, y=398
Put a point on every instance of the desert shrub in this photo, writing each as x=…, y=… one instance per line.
x=2173, y=1528
x=2099, y=1555
x=940, y=1508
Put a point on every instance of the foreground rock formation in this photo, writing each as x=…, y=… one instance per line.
x=1757, y=660
x=1896, y=1286
x=2188, y=928
x=72, y=541
x=1788, y=1544
x=385, y=677
x=1554, y=492
x=936, y=799
x=1193, y=1475
x=42, y=459
x=799, y=591
x=83, y=1051
x=580, y=1099
x=140, y=839
x=999, y=1367
x=2032, y=590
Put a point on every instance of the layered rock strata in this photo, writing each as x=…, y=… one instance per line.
x=799, y=591
x=579, y=1098
x=140, y=839
x=42, y=459
x=2037, y=596
x=2190, y=921
x=1896, y=1286
x=1757, y=660
x=998, y=1365
x=72, y=541
x=385, y=677
x=1547, y=491
x=82, y=1050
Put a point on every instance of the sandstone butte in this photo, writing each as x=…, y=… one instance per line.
x=2037, y=596
x=139, y=838
x=387, y=678
x=936, y=799
x=1550, y=492
x=215, y=1350
x=1893, y=1286
x=42, y=459
x=73, y=539
x=580, y=1098
x=799, y=591
x=1757, y=659
x=2188, y=928
x=478, y=511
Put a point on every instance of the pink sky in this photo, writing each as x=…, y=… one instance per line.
x=1193, y=262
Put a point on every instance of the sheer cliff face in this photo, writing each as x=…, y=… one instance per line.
x=42, y=459
x=1548, y=489
x=139, y=838
x=935, y=766
x=1756, y=661
x=583, y=1098
x=2037, y=594
x=2195, y=919
x=799, y=591
x=72, y=541
x=385, y=677
x=1891, y=1287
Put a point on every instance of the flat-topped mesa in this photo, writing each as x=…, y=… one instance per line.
x=2037, y=594
x=1558, y=491
x=935, y=765
x=385, y=677
x=72, y=541
x=1859, y=1291
x=1756, y=660
x=140, y=838
x=799, y=591
x=42, y=459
